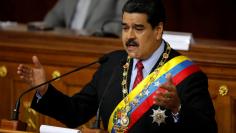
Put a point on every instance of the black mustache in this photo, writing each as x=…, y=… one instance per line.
x=131, y=42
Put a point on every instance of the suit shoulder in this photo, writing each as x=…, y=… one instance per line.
x=118, y=54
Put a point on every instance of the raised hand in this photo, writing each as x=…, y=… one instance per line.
x=33, y=75
x=167, y=96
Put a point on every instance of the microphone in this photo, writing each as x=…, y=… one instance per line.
x=96, y=124
x=15, y=112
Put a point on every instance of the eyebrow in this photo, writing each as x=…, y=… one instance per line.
x=136, y=25
x=122, y=23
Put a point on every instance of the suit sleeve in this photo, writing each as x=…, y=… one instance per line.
x=72, y=111
x=197, y=112
x=81, y=107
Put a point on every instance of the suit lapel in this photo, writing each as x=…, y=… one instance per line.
x=129, y=74
x=131, y=66
x=154, y=67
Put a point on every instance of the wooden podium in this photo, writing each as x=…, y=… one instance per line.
x=12, y=125
x=12, y=131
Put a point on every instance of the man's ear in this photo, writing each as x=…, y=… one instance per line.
x=159, y=30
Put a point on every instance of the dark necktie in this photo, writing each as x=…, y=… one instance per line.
x=139, y=76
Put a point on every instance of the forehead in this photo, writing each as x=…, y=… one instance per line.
x=134, y=18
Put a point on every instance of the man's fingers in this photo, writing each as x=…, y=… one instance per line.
x=24, y=72
x=168, y=87
x=169, y=78
x=166, y=95
x=36, y=62
x=162, y=99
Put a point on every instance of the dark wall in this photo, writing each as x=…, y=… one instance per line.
x=204, y=18
x=24, y=10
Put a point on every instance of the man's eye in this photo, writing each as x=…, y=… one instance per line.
x=125, y=28
x=139, y=29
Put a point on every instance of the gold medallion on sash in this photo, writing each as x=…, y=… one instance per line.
x=122, y=120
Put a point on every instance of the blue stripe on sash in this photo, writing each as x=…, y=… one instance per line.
x=152, y=88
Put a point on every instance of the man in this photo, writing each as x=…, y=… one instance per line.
x=149, y=88
x=86, y=15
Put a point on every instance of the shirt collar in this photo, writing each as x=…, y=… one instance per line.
x=152, y=60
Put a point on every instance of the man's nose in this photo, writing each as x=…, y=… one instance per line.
x=131, y=33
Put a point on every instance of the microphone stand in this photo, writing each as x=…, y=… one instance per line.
x=15, y=113
x=14, y=123
x=96, y=124
x=97, y=120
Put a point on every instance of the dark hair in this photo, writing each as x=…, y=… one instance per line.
x=154, y=9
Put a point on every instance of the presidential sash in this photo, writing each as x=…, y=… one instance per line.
x=141, y=98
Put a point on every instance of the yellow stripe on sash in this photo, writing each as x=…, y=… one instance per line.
x=164, y=69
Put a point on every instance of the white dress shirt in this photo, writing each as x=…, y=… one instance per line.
x=148, y=64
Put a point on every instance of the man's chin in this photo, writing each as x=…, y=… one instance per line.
x=133, y=55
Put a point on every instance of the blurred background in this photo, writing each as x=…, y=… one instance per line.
x=212, y=19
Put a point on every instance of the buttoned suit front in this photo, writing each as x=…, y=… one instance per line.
x=196, y=114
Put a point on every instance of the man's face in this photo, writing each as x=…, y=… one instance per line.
x=140, y=40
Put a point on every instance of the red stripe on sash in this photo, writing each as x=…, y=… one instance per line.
x=140, y=110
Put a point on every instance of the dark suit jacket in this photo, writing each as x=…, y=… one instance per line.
x=196, y=114
x=99, y=11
